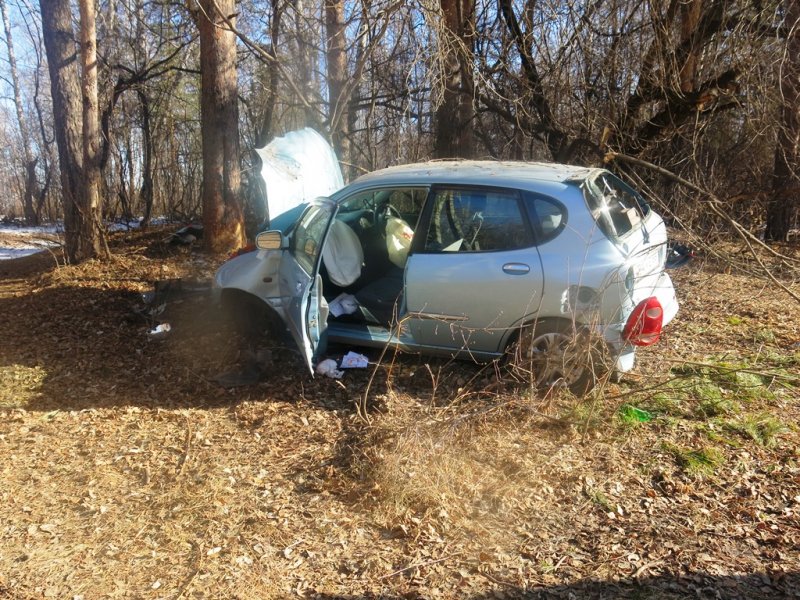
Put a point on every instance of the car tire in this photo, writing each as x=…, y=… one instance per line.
x=557, y=354
x=249, y=317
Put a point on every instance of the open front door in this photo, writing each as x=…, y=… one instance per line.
x=300, y=283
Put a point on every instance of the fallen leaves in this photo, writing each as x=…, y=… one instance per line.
x=126, y=471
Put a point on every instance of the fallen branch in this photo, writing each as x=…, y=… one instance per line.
x=714, y=205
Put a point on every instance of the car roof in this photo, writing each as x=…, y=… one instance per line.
x=538, y=176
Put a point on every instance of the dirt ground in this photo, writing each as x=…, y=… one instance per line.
x=128, y=472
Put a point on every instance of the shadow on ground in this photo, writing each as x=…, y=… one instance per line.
x=85, y=347
x=758, y=586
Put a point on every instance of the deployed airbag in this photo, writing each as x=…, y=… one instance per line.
x=342, y=254
x=398, y=241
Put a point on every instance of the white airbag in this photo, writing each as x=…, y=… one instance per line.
x=342, y=254
x=398, y=241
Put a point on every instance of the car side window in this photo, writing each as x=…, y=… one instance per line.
x=369, y=207
x=475, y=220
x=547, y=216
x=308, y=235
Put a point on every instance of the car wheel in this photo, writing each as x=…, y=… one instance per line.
x=248, y=316
x=556, y=354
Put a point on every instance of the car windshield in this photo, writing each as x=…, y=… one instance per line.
x=616, y=207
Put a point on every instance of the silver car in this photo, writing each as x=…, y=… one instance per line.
x=560, y=268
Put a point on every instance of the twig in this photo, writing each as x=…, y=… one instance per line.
x=645, y=567
x=421, y=564
x=198, y=557
x=187, y=445
x=726, y=369
x=714, y=204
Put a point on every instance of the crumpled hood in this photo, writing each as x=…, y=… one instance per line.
x=297, y=168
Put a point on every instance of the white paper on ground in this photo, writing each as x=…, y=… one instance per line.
x=353, y=360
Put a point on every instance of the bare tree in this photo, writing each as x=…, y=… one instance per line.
x=31, y=188
x=222, y=214
x=453, y=121
x=81, y=219
x=783, y=206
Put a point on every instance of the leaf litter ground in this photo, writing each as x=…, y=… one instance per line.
x=127, y=472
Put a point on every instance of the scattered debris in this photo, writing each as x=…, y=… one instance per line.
x=678, y=255
x=353, y=360
x=159, y=331
x=186, y=236
x=329, y=368
x=343, y=304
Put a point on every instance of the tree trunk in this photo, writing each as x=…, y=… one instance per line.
x=783, y=208
x=337, y=78
x=146, y=191
x=453, y=121
x=265, y=130
x=31, y=183
x=690, y=17
x=91, y=228
x=59, y=42
x=219, y=113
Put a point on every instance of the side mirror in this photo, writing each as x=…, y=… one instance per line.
x=271, y=240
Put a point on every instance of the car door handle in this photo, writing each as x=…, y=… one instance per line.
x=516, y=268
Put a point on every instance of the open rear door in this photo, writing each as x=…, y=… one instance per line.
x=300, y=283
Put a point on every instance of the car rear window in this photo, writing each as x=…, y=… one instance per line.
x=616, y=207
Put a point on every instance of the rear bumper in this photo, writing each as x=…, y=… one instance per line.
x=659, y=286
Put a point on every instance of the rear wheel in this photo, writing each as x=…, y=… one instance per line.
x=557, y=354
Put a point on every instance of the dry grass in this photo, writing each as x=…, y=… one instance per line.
x=127, y=473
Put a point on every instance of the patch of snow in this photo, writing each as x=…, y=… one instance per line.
x=11, y=253
x=15, y=230
x=20, y=241
x=123, y=225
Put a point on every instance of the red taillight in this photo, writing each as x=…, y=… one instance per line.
x=644, y=325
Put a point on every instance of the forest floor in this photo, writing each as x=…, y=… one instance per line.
x=127, y=472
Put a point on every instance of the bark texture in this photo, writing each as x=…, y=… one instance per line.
x=222, y=214
x=82, y=239
x=337, y=78
x=91, y=228
x=454, y=118
x=783, y=207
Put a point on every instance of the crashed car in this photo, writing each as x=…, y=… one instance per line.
x=559, y=268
